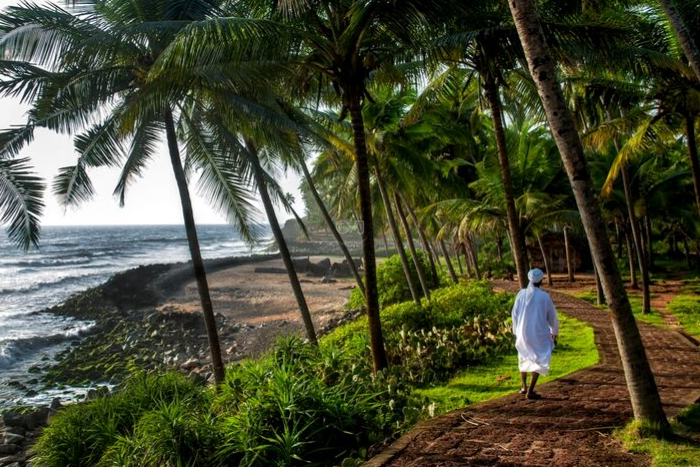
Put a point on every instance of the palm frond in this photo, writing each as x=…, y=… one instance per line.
x=21, y=201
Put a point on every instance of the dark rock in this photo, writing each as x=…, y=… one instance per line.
x=319, y=269
x=12, y=438
x=341, y=269
x=7, y=461
x=8, y=449
x=301, y=264
x=38, y=418
x=15, y=430
x=13, y=418
x=56, y=404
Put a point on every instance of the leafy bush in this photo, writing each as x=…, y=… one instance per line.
x=427, y=356
x=392, y=283
x=301, y=406
x=82, y=433
x=462, y=324
x=451, y=306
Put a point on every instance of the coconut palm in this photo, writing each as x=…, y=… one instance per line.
x=87, y=70
x=644, y=394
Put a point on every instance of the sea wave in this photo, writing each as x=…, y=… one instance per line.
x=14, y=350
x=50, y=262
x=23, y=290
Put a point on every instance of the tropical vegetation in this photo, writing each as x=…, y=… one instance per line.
x=453, y=126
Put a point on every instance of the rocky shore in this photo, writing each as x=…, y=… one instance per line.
x=145, y=321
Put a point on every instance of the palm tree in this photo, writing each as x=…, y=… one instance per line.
x=259, y=175
x=74, y=68
x=688, y=45
x=644, y=394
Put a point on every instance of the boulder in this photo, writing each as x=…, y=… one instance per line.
x=319, y=269
x=8, y=449
x=10, y=460
x=12, y=438
x=341, y=269
x=301, y=264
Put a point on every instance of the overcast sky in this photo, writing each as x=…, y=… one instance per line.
x=153, y=199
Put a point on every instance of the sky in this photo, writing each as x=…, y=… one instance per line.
x=153, y=199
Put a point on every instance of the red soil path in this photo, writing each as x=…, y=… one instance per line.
x=570, y=425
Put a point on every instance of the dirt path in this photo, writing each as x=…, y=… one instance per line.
x=570, y=426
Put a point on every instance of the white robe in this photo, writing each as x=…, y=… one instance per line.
x=534, y=322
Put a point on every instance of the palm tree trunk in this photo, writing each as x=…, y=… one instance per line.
x=424, y=241
x=195, y=253
x=637, y=237
x=451, y=270
x=569, y=264
x=259, y=175
x=386, y=245
x=398, y=244
x=459, y=261
x=474, y=254
x=687, y=253
x=693, y=155
x=686, y=40
x=412, y=247
x=517, y=240
x=546, y=260
x=644, y=394
x=467, y=260
x=379, y=359
x=600, y=295
x=650, y=242
x=618, y=236
x=630, y=257
x=331, y=225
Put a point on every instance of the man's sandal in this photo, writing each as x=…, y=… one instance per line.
x=533, y=396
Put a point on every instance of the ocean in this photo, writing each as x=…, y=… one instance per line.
x=70, y=260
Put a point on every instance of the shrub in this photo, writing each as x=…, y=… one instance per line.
x=392, y=283
x=82, y=433
x=300, y=406
x=451, y=306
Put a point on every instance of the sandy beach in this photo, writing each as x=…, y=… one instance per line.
x=263, y=300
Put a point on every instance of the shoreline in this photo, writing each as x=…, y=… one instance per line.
x=145, y=320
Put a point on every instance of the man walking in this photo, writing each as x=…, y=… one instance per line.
x=536, y=327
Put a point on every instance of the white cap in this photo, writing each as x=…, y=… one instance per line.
x=535, y=275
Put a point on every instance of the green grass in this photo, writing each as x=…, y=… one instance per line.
x=686, y=308
x=683, y=449
x=654, y=317
x=499, y=376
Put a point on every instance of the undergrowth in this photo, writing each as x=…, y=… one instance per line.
x=296, y=405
